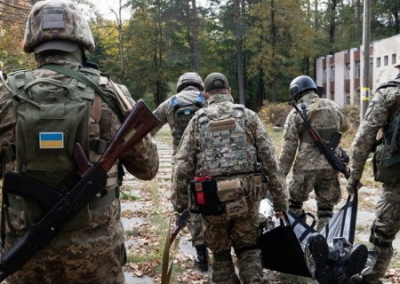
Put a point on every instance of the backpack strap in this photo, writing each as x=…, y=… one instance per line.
x=311, y=117
x=86, y=80
x=175, y=103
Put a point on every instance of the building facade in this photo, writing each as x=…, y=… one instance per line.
x=341, y=73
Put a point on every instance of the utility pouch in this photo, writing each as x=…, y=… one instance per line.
x=386, y=165
x=255, y=189
x=204, y=191
x=229, y=189
x=236, y=208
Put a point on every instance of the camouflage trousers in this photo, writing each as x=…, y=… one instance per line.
x=325, y=184
x=240, y=233
x=195, y=227
x=89, y=255
x=384, y=230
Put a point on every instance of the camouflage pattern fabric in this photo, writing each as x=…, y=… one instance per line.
x=57, y=20
x=311, y=170
x=165, y=113
x=387, y=222
x=91, y=254
x=220, y=232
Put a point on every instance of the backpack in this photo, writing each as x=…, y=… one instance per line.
x=386, y=159
x=49, y=121
x=183, y=114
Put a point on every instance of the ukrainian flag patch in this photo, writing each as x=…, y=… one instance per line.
x=51, y=140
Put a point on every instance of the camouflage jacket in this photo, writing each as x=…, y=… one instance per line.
x=141, y=160
x=186, y=163
x=308, y=156
x=165, y=112
x=374, y=119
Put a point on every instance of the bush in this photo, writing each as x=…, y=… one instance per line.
x=274, y=113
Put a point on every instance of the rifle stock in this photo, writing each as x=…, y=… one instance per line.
x=139, y=122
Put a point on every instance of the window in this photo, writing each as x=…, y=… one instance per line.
x=357, y=70
x=347, y=72
x=332, y=75
x=385, y=60
x=324, y=76
x=394, y=58
x=378, y=62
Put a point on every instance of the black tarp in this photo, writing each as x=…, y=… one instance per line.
x=283, y=246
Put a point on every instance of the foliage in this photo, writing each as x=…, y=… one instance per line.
x=274, y=113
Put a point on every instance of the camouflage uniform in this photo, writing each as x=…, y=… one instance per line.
x=93, y=253
x=221, y=232
x=165, y=113
x=387, y=217
x=311, y=170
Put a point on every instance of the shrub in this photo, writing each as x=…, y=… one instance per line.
x=274, y=113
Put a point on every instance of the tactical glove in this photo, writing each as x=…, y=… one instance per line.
x=351, y=185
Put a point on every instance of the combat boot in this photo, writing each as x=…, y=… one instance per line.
x=318, y=248
x=350, y=264
x=201, y=259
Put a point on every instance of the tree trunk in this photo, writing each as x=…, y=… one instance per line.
x=195, y=60
x=238, y=44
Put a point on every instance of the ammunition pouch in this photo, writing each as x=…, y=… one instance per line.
x=386, y=165
x=214, y=197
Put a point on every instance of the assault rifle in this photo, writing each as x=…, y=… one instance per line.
x=326, y=148
x=63, y=207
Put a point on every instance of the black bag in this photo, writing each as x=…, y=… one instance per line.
x=281, y=250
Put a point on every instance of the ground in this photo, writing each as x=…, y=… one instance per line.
x=147, y=213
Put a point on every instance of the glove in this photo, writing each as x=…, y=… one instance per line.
x=351, y=185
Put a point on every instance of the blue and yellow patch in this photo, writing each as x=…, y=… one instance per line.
x=51, y=140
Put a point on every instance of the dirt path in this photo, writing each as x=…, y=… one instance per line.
x=146, y=219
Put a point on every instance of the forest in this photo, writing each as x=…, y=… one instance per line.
x=260, y=45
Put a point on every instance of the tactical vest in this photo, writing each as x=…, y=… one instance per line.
x=386, y=160
x=323, y=120
x=49, y=122
x=224, y=149
x=183, y=114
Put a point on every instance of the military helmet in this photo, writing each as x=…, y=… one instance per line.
x=59, y=25
x=189, y=79
x=216, y=81
x=300, y=84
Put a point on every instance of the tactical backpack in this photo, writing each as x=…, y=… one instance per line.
x=49, y=121
x=184, y=113
x=386, y=159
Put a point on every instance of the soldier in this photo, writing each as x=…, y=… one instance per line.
x=219, y=156
x=382, y=116
x=311, y=170
x=90, y=247
x=177, y=112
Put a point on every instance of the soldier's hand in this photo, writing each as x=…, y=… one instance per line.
x=351, y=185
x=278, y=215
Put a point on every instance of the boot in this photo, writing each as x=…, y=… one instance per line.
x=350, y=264
x=201, y=259
x=318, y=248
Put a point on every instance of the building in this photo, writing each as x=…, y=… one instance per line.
x=341, y=73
